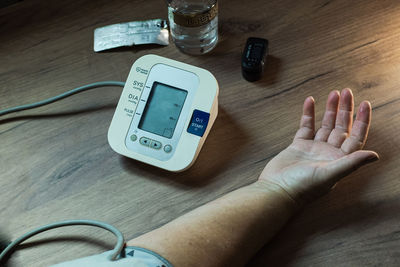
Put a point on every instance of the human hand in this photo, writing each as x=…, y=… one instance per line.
x=315, y=162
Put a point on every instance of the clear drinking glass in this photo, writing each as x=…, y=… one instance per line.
x=193, y=25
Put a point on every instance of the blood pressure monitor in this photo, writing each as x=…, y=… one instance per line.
x=165, y=113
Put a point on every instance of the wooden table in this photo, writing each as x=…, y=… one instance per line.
x=56, y=163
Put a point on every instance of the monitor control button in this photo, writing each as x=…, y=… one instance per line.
x=155, y=144
x=198, y=123
x=133, y=137
x=167, y=148
x=144, y=141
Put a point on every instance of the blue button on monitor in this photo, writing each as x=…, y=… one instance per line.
x=198, y=123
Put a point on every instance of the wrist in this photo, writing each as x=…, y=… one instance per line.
x=279, y=192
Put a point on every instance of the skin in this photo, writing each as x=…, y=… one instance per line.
x=230, y=230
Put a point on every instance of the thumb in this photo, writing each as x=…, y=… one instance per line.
x=349, y=163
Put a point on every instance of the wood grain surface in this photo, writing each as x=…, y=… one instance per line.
x=56, y=164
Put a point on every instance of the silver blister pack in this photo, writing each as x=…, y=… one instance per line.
x=153, y=31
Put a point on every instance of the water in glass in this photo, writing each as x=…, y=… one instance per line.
x=194, y=25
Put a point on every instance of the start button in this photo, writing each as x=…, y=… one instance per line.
x=198, y=123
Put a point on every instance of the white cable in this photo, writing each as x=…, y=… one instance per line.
x=115, y=252
x=61, y=96
x=120, y=242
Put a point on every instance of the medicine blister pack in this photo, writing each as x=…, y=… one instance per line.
x=153, y=31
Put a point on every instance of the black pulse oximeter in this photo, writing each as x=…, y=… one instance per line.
x=254, y=58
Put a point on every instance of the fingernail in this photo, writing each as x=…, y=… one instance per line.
x=362, y=107
x=372, y=158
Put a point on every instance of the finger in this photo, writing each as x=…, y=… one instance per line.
x=359, y=132
x=328, y=122
x=307, y=122
x=344, y=119
x=348, y=164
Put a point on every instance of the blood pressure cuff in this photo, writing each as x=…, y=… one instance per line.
x=131, y=257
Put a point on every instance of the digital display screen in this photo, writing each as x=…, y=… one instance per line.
x=162, y=110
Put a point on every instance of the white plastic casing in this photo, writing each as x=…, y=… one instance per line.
x=202, y=95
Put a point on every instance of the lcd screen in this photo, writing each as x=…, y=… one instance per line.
x=162, y=110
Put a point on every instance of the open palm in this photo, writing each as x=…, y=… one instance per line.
x=315, y=161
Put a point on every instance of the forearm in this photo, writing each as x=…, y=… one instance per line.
x=224, y=232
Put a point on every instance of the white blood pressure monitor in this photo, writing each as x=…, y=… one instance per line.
x=165, y=113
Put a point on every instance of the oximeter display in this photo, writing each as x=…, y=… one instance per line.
x=162, y=110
